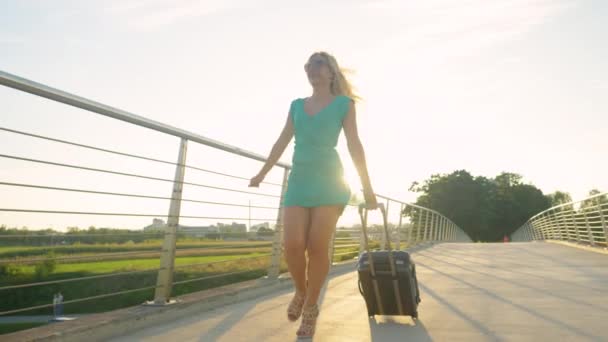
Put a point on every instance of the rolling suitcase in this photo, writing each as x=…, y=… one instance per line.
x=387, y=278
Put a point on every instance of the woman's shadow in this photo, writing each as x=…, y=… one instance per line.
x=397, y=328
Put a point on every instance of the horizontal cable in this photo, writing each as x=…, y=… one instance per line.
x=143, y=233
x=79, y=300
x=211, y=277
x=130, y=195
x=347, y=246
x=124, y=154
x=133, y=175
x=75, y=258
x=346, y=253
x=107, y=256
x=64, y=235
x=78, y=279
x=222, y=261
x=127, y=214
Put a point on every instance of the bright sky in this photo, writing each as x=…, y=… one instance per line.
x=486, y=86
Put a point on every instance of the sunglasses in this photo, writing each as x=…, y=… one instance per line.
x=315, y=63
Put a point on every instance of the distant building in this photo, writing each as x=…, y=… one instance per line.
x=256, y=227
x=157, y=224
x=199, y=231
x=232, y=228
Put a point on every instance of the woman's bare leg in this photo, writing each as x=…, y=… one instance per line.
x=296, y=222
x=322, y=225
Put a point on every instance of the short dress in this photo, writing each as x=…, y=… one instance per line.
x=317, y=173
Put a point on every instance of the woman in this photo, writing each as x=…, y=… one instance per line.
x=316, y=193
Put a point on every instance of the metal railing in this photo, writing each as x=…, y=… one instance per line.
x=584, y=221
x=420, y=225
x=168, y=246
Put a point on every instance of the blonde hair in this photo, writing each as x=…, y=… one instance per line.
x=340, y=85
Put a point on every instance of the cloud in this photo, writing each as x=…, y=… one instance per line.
x=443, y=27
x=157, y=14
x=11, y=39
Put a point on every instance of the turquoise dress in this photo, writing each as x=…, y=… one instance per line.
x=316, y=177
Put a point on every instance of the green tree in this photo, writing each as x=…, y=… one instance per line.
x=591, y=204
x=46, y=267
x=558, y=198
x=486, y=209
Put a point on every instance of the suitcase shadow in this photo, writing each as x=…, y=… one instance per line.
x=397, y=328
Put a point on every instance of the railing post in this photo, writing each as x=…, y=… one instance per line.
x=541, y=227
x=574, y=223
x=437, y=228
x=420, y=232
x=277, y=243
x=331, y=248
x=409, y=231
x=164, y=282
x=427, y=235
x=419, y=225
x=538, y=231
x=591, y=237
x=604, y=226
x=384, y=235
x=440, y=230
x=567, y=224
x=557, y=228
x=529, y=232
x=544, y=229
x=399, y=227
x=563, y=227
x=452, y=232
x=448, y=232
x=361, y=242
x=552, y=229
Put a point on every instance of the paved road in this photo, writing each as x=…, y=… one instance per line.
x=470, y=292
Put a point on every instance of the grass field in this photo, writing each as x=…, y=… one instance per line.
x=6, y=328
x=248, y=259
x=150, y=246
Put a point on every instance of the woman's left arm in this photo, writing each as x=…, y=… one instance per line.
x=355, y=147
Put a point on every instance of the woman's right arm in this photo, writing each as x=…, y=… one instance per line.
x=279, y=147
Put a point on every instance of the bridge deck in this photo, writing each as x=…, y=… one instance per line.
x=470, y=292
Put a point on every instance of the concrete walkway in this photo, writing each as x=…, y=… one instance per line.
x=470, y=292
x=35, y=319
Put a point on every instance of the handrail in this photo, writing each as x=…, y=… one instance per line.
x=587, y=225
x=568, y=204
x=54, y=94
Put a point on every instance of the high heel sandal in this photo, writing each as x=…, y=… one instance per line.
x=294, y=310
x=309, y=322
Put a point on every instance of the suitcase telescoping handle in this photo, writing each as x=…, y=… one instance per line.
x=391, y=260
